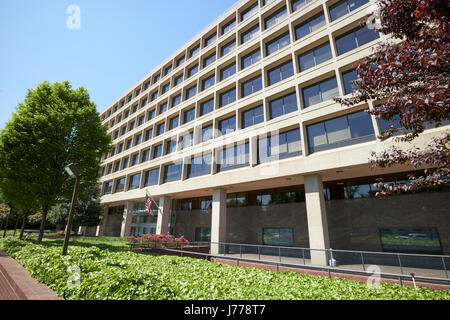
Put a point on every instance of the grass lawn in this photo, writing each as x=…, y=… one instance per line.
x=34, y=233
x=109, y=271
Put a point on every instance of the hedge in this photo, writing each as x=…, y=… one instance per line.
x=109, y=272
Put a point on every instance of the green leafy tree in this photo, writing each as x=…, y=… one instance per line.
x=4, y=211
x=54, y=126
x=87, y=211
x=17, y=193
x=409, y=76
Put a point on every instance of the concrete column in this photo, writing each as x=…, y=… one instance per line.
x=126, y=220
x=375, y=122
x=101, y=228
x=218, y=220
x=162, y=224
x=254, y=151
x=317, y=219
x=82, y=231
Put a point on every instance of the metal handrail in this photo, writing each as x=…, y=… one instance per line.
x=223, y=245
x=322, y=268
x=333, y=250
x=330, y=252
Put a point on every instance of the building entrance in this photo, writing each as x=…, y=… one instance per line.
x=114, y=221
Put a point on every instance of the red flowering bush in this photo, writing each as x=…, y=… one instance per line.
x=132, y=239
x=158, y=240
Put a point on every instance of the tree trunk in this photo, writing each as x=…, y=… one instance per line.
x=17, y=224
x=24, y=219
x=7, y=222
x=41, y=230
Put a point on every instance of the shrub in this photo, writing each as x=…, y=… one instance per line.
x=158, y=240
x=114, y=273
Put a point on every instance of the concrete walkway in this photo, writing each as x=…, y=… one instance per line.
x=334, y=273
x=17, y=284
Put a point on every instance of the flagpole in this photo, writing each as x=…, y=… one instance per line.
x=157, y=206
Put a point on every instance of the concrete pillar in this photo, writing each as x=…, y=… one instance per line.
x=218, y=220
x=254, y=151
x=162, y=224
x=82, y=231
x=101, y=228
x=317, y=219
x=126, y=220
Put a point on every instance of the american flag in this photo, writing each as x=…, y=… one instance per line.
x=148, y=205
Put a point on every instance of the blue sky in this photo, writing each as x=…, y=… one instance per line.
x=119, y=41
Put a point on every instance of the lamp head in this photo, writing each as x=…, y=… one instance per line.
x=72, y=171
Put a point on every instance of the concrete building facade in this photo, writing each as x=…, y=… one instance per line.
x=237, y=138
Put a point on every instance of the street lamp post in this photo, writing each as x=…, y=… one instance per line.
x=74, y=173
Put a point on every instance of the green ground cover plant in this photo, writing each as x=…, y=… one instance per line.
x=111, y=272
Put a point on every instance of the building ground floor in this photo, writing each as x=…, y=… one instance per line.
x=341, y=214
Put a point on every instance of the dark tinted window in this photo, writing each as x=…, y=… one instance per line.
x=227, y=97
x=209, y=82
x=228, y=125
x=207, y=133
x=228, y=48
x=152, y=177
x=284, y=105
x=172, y=172
x=320, y=92
x=209, y=60
x=157, y=151
x=310, y=25
x=189, y=115
x=135, y=181
x=248, y=12
x=275, y=18
x=248, y=35
x=348, y=78
x=191, y=92
x=234, y=157
x=193, y=70
x=199, y=166
x=341, y=131
x=251, y=58
x=277, y=44
x=354, y=39
x=341, y=8
x=277, y=147
x=207, y=107
x=227, y=27
x=297, y=4
x=251, y=86
x=174, y=123
x=228, y=71
x=315, y=57
x=210, y=39
x=252, y=117
x=282, y=72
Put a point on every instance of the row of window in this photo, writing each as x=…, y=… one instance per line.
x=359, y=188
x=333, y=133
x=336, y=11
x=319, y=92
x=313, y=94
x=344, y=43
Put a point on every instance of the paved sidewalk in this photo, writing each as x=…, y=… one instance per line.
x=17, y=284
x=334, y=273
